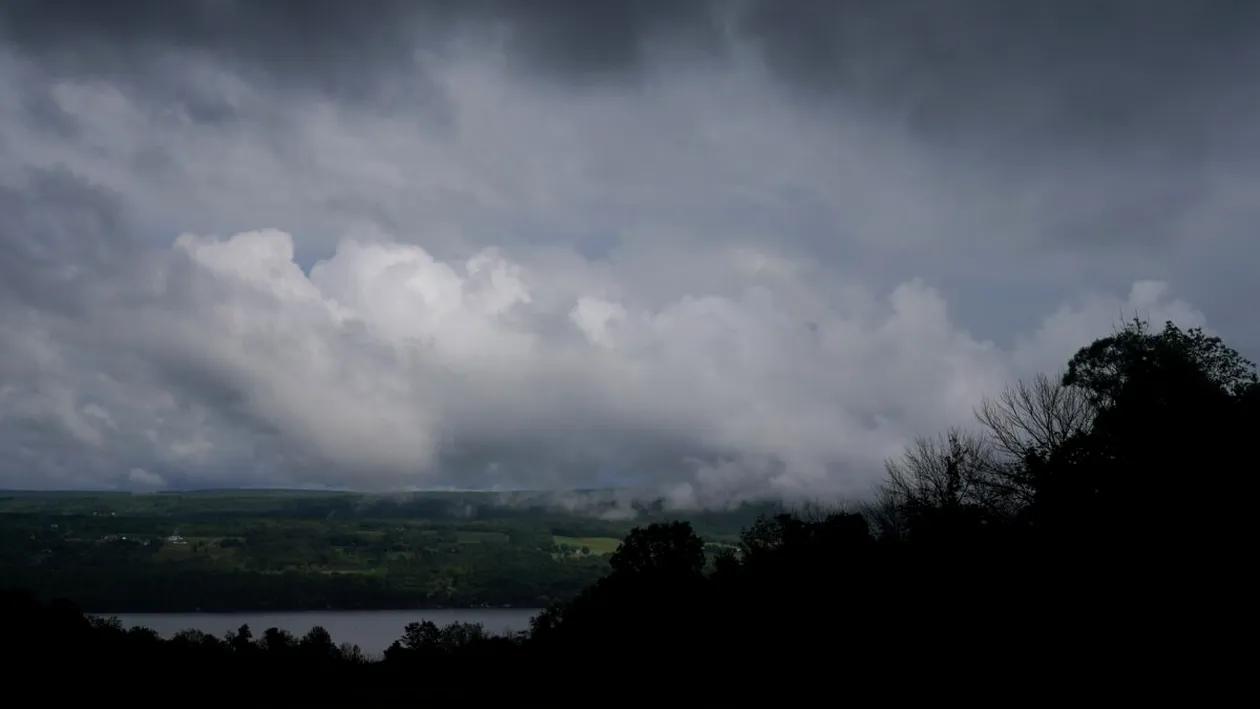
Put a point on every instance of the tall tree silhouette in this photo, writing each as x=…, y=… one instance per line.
x=670, y=549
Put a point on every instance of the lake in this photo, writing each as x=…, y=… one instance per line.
x=373, y=631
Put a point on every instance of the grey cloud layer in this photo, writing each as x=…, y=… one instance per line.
x=711, y=248
x=1089, y=66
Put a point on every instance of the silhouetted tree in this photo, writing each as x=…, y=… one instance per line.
x=1026, y=424
x=277, y=641
x=1035, y=416
x=421, y=634
x=1135, y=358
x=1167, y=404
x=949, y=471
x=668, y=549
x=242, y=640
x=940, y=487
x=318, y=644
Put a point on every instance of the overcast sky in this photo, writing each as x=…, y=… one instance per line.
x=721, y=248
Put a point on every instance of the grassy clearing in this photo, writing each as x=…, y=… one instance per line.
x=597, y=545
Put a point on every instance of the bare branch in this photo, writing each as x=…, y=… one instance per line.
x=950, y=470
x=1026, y=422
x=1035, y=417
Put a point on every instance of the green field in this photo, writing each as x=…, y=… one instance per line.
x=278, y=550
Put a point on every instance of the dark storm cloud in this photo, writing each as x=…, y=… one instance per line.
x=1156, y=83
x=1092, y=46
x=350, y=49
x=41, y=112
x=339, y=47
x=1103, y=52
x=61, y=237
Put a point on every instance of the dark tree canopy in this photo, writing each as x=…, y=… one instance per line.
x=1136, y=357
x=671, y=549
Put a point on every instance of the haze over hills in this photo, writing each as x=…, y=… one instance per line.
x=605, y=503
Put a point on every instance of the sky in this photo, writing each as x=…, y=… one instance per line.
x=716, y=249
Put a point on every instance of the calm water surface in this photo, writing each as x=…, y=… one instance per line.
x=372, y=631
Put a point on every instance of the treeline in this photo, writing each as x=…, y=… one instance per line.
x=518, y=582
x=1085, y=541
x=509, y=577
x=277, y=565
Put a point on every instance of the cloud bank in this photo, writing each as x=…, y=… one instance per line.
x=710, y=249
